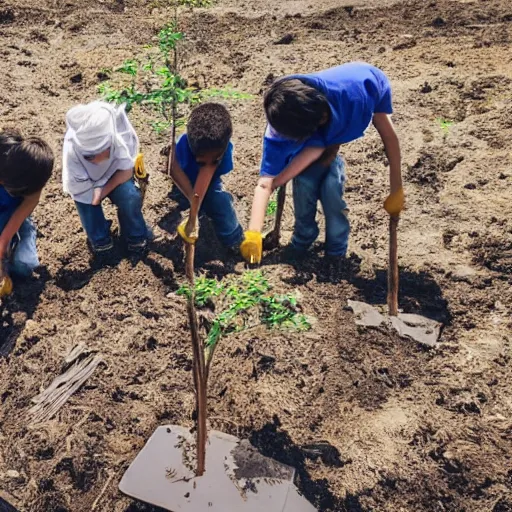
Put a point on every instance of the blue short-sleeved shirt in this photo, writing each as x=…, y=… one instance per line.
x=355, y=92
x=188, y=163
x=7, y=202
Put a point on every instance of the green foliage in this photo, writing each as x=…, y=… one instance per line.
x=154, y=84
x=240, y=297
x=445, y=125
x=272, y=207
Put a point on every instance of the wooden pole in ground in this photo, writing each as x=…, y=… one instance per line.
x=197, y=346
x=393, y=266
x=272, y=239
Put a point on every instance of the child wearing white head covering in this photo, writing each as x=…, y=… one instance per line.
x=99, y=153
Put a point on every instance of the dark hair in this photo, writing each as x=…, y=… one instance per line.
x=295, y=109
x=25, y=163
x=209, y=128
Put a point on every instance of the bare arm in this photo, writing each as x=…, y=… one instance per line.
x=301, y=162
x=262, y=194
x=267, y=185
x=16, y=220
x=203, y=182
x=118, y=178
x=179, y=178
x=384, y=126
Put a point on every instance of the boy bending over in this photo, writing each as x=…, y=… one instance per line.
x=309, y=117
x=202, y=156
x=25, y=167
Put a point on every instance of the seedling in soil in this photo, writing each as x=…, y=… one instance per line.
x=445, y=125
x=245, y=302
x=271, y=207
x=155, y=84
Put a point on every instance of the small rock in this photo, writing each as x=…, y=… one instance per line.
x=470, y=186
x=438, y=22
x=426, y=88
x=76, y=79
x=11, y=473
x=286, y=39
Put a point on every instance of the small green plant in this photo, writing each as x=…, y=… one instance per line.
x=242, y=299
x=445, y=125
x=272, y=207
x=155, y=84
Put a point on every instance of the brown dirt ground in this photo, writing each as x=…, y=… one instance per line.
x=407, y=429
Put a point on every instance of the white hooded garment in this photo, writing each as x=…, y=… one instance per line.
x=91, y=129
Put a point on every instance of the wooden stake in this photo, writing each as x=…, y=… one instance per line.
x=197, y=347
x=393, y=267
x=272, y=239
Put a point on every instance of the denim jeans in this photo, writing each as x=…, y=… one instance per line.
x=218, y=206
x=24, y=258
x=324, y=184
x=128, y=199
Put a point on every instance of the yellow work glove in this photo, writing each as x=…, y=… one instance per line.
x=252, y=247
x=5, y=286
x=191, y=238
x=140, y=169
x=395, y=202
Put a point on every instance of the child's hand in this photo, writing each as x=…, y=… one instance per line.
x=183, y=231
x=252, y=247
x=395, y=202
x=96, y=196
x=5, y=281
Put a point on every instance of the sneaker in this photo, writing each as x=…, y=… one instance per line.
x=137, y=247
x=102, y=248
x=233, y=250
x=294, y=254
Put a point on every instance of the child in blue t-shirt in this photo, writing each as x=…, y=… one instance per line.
x=25, y=167
x=202, y=156
x=309, y=117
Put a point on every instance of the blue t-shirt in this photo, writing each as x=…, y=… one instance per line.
x=188, y=163
x=355, y=92
x=7, y=202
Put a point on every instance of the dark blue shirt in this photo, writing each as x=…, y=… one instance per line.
x=355, y=92
x=7, y=202
x=188, y=163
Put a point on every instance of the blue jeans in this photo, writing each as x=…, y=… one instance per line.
x=218, y=206
x=324, y=184
x=24, y=258
x=128, y=199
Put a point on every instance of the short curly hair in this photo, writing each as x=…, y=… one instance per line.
x=209, y=128
x=26, y=164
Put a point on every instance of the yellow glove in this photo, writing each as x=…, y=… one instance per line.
x=140, y=169
x=5, y=286
x=395, y=202
x=252, y=247
x=191, y=238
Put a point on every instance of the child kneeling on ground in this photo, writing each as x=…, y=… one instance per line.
x=202, y=156
x=25, y=167
x=309, y=117
x=100, y=148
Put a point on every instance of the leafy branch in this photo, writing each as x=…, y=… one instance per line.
x=242, y=299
